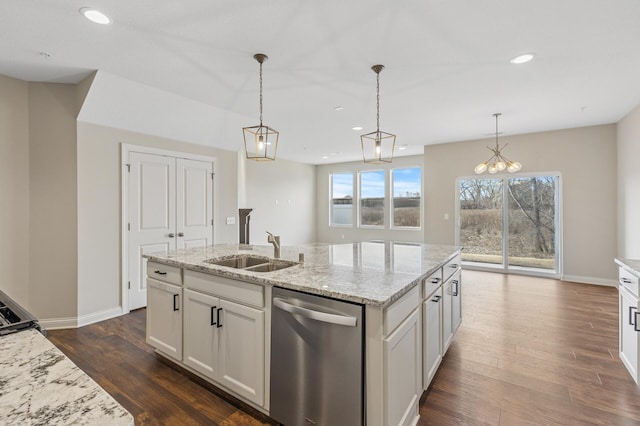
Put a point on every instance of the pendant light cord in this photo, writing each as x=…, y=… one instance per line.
x=378, y=102
x=260, y=94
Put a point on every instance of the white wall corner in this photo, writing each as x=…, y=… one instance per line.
x=81, y=321
x=590, y=280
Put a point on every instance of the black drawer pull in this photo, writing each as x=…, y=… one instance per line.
x=435, y=299
x=637, y=322
x=159, y=272
x=435, y=281
x=218, y=319
x=213, y=312
x=456, y=283
x=631, y=309
x=175, y=302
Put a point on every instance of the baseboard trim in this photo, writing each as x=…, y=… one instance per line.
x=75, y=322
x=590, y=280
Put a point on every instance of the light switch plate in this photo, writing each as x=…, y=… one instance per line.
x=231, y=220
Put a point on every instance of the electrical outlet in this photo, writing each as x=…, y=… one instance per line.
x=231, y=220
x=446, y=216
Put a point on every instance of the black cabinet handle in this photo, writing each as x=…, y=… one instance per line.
x=435, y=299
x=218, y=319
x=454, y=266
x=636, y=322
x=625, y=280
x=175, y=302
x=435, y=281
x=159, y=272
x=455, y=293
x=213, y=312
x=631, y=308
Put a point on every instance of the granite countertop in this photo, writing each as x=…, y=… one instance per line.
x=39, y=385
x=631, y=265
x=374, y=273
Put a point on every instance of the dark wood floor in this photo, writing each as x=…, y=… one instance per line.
x=530, y=351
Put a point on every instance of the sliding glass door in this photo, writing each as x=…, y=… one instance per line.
x=510, y=223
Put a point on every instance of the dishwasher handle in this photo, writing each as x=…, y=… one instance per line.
x=315, y=315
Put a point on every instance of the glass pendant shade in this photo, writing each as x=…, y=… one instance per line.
x=260, y=141
x=377, y=147
x=497, y=162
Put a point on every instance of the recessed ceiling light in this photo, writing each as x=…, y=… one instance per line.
x=95, y=16
x=338, y=108
x=521, y=59
x=403, y=147
x=324, y=157
x=357, y=128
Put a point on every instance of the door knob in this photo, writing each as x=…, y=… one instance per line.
x=180, y=234
x=171, y=235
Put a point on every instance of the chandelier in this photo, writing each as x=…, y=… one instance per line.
x=377, y=147
x=261, y=141
x=497, y=162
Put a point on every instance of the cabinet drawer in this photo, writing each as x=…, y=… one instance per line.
x=400, y=309
x=239, y=291
x=451, y=267
x=431, y=283
x=629, y=281
x=166, y=273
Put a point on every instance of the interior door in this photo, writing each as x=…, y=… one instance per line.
x=152, y=217
x=194, y=209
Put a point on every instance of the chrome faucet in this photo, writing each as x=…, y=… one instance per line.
x=275, y=240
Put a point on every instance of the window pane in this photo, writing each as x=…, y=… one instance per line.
x=342, y=199
x=372, y=198
x=532, y=222
x=407, y=185
x=481, y=220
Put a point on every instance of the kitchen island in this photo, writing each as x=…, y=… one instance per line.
x=405, y=334
x=39, y=385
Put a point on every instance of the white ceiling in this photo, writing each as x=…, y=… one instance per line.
x=447, y=63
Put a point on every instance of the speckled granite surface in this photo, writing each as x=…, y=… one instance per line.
x=39, y=385
x=376, y=272
x=631, y=265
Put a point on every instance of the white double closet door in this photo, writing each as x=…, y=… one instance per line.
x=170, y=206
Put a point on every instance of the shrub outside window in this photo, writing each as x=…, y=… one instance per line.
x=372, y=189
x=342, y=199
x=406, y=189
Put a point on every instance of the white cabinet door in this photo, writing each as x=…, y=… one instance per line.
x=201, y=332
x=152, y=217
x=456, y=302
x=629, y=331
x=164, y=318
x=447, y=316
x=403, y=372
x=194, y=208
x=242, y=350
x=432, y=336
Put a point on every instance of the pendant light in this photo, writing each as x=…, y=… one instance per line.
x=377, y=147
x=498, y=161
x=260, y=142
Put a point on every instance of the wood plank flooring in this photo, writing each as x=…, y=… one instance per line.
x=530, y=351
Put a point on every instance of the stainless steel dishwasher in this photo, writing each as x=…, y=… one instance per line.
x=316, y=360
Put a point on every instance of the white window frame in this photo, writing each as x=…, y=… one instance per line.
x=384, y=207
x=392, y=201
x=353, y=202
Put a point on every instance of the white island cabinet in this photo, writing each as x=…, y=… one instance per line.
x=629, y=321
x=221, y=330
x=164, y=309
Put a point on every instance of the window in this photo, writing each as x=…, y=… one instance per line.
x=342, y=199
x=407, y=187
x=510, y=223
x=372, y=188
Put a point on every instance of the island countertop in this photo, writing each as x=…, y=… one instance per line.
x=632, y=265
x=374, y=273
x=39, y=385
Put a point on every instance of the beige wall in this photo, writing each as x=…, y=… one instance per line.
x=14, y=189
x=99, y=202
x=335, y=234
x=586, y=159
x=629, y=185
x=52, y=200
x=281, y=194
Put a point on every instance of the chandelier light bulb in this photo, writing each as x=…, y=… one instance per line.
x=481, y=168
x=514, y=167
x=501, y=165
x=493, y=169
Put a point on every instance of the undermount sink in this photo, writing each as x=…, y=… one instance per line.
x=252, y=263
